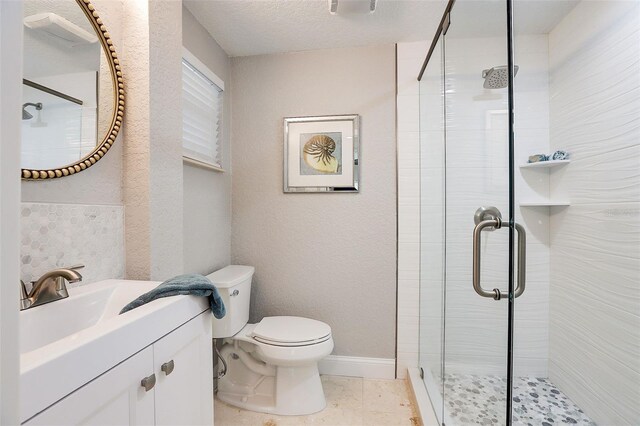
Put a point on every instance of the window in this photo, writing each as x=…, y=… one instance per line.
x=202, y=93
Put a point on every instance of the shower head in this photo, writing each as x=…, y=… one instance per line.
x=25, y=114
x=497, y=77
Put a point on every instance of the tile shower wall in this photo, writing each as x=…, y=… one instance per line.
x=477, y=170
x=594, y=352
x=477, y=175
x=57, y=235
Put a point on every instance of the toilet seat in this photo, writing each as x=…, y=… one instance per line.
x=292, y=344
x=313, y=342
x=290, y=331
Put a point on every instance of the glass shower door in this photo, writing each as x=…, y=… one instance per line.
x=477, y=214
x=468, y=263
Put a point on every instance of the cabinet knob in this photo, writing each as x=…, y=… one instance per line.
x=148, y=382
x=167, y=367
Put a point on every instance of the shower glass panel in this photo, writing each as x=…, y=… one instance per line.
x=465, y=210
x=548, y=135
x=477, y=177
x=432, y=202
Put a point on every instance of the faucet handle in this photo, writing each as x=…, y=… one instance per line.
x=78, y=266
x=23, y=290
x=25, y=302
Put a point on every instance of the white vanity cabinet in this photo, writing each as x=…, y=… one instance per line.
x=180, y=362
x=114, y=398
x=183, y=363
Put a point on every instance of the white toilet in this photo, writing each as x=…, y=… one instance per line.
x=272, y=366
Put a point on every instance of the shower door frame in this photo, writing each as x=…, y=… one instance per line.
x=440, y=32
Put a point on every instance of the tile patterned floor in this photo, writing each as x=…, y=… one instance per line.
x=350, y=402
x=479, y=400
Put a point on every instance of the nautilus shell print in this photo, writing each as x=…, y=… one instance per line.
x=319, y=153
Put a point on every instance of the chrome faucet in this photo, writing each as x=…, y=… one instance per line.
x=50, y=287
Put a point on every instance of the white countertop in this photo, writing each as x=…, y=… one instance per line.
x=67, y=343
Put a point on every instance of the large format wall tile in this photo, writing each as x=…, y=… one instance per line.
x=594, y=348
x=475, y=170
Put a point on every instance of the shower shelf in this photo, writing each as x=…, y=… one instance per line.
x=544, y=203
x=544, y=164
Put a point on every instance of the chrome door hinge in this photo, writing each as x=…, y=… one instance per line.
x=446, y=23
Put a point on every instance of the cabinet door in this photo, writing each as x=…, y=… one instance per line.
x=184, y=396
x=114, y=398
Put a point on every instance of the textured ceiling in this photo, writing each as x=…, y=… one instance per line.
x=254, y=27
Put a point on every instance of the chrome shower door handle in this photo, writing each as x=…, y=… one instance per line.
x=495, y=223
x=496, y=294
x=522, y=260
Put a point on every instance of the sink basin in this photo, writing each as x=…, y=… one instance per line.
x=85, y=307
x=66, y=343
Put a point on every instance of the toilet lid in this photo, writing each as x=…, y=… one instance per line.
x=290, y=330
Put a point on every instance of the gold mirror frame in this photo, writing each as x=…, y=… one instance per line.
x=118, y=113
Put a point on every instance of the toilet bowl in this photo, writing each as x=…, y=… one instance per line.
x=272, y=366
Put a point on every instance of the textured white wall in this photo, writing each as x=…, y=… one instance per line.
x=136, y=159
x=165, y=111
x=151, y=172
x=326, y=256
x=595, y=243
x=101, y=183
x=153, y=139
x=207, y=193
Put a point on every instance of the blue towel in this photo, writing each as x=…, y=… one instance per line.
x=193, y=284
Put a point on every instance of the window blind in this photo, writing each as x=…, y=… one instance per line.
x=201, y=116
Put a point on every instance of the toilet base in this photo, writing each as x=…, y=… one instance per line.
x=293, y=391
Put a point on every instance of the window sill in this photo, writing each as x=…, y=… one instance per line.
x=202, y=164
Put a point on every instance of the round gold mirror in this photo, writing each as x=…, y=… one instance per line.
x=73, y=93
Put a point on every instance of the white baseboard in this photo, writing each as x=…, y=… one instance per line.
x=350, y=366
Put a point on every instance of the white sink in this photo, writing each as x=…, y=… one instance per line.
x=85, y=307
x=66, y=343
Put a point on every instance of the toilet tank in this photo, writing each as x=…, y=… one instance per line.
x=234, y=285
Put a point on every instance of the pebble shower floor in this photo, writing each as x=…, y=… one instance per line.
x=479, y=400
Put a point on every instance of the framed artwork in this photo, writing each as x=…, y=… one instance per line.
x=321, y=153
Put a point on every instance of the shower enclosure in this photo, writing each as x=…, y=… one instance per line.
x=530, y=213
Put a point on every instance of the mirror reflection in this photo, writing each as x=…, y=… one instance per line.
x=67, y=96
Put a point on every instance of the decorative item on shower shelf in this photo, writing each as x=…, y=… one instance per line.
x=538, y=157
x=560, y=155
x=321, y=153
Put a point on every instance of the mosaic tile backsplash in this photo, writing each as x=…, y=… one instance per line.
x=58, y=235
